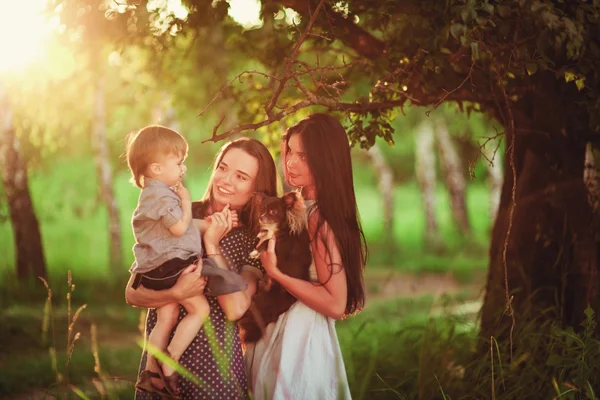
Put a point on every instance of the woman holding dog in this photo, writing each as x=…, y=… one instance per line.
x=299, y=356
x=241, y=168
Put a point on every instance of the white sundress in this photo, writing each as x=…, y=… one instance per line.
x=298, y=358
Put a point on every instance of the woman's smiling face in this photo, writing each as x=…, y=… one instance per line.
x=234, y=179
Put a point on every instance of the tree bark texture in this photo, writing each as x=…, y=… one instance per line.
x=551, y=255
x=29, y=253
x=104, y=173
x=454, y=176
x=426, y=177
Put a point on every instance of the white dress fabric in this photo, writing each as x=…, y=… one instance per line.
x=298, y=358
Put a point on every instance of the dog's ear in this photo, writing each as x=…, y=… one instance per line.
x=291, y=198
x=256, y=210
x=295, y=212
x=258, y=197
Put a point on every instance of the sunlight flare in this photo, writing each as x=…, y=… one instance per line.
x=23, y=30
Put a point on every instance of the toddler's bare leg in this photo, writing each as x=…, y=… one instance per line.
x=166, y=319
x=197, y=311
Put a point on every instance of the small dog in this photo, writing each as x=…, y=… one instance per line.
x=285, y=219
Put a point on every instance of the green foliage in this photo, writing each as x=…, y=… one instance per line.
x=401, y=352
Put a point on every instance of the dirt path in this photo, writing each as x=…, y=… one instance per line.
x=382, y=285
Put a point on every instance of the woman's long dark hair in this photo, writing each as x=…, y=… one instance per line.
x=328, y=155
x=266, y=180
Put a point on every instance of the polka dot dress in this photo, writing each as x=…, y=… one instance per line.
x=215, y=355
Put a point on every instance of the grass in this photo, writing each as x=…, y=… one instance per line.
x=27, y=363
x=398, y=348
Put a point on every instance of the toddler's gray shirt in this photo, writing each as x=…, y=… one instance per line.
x=158, y=209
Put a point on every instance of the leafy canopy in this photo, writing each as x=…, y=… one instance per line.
x=369, y=58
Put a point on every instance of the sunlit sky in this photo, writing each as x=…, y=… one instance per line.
x=24, y=28
x=245, y=12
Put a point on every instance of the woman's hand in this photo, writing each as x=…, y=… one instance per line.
x=269, y=260
x=235, y=222
x=220, y=225
x=190, y=283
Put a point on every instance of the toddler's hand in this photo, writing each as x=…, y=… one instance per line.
x=183, y=193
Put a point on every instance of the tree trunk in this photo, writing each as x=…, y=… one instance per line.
x=385, y=181
x=28, y=241
x=425, y=171
x=454, y=177
x=551, y=257
x=104, y=173
x=494, y=178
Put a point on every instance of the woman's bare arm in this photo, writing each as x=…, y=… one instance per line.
x=234, y=305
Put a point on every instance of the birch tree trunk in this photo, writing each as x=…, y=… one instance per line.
x=454, y=177
x=495, y=178
x=30, y=258
x=426, y=177
x=385, y=181
x=164, y=113
x=104, y=173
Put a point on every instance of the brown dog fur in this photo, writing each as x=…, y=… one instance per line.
x=285, y=218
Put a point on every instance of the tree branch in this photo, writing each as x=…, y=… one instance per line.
x=352, y=35
x=247, y=127
x=312, y=100
x=291, y=59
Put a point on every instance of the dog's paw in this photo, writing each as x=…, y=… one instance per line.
x=255, y=254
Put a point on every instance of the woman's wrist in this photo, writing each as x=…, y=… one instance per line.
x=174, y=293
x=277, y=275
x=211, y=249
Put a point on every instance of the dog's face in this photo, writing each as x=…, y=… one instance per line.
x=280, y=213
x=273, y=211
x=277, y=216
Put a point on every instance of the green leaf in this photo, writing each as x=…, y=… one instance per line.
x=580, y=83
x=481, y=21
x=464, y=14
x=503, y=10
x=569, y=76
x=532, y=68
x=456, y=30
x=488, y=8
